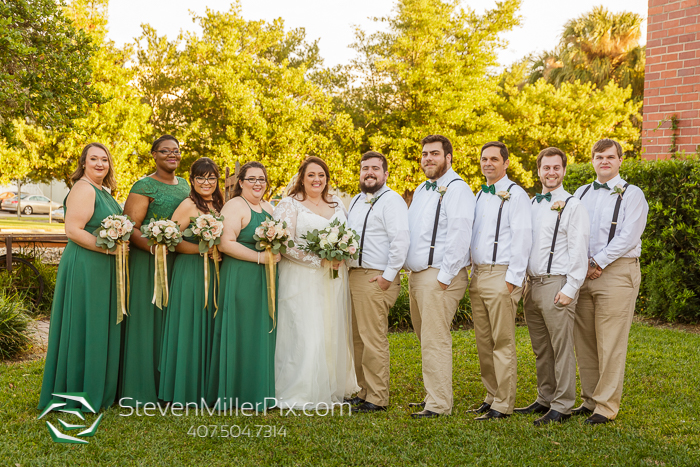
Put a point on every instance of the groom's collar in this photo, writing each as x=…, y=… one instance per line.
x=446, y=177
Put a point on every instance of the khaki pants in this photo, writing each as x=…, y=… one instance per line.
x=370, y=325
x=493, y=312
x=432, y=311
x=601, y=329
x=551, y=328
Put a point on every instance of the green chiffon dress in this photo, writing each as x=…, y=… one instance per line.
x=142, y=331
x=186, y=350
x=84, y=337
x=243, y=351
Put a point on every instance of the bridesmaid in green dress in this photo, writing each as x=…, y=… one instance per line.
x=84, y=337
x=189, y=326
x=157, y=195
x=243, y=352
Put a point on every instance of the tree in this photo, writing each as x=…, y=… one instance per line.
x=596, y=47
x=429, y=73
x=45, y=71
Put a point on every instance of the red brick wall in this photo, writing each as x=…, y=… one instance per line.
x=672, y=77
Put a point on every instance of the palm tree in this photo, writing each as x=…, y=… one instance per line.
x=596, y=47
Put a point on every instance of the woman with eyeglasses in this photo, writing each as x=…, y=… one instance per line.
x=154, y=196
x=243, y=352
x=189, y=324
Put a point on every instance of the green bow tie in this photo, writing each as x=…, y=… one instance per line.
x=598, y=186
x=489, y=189
x=430, y=186
x=539, y=197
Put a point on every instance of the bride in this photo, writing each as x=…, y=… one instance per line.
x=313, y=357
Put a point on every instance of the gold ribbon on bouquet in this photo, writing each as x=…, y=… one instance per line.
x=122, y=280
x=215, y=257
x=160, y=279
x=271, y=273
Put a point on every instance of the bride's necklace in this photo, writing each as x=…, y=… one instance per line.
x=315, y=204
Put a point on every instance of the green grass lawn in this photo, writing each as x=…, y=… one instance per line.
x=42, y=224
x=659, y=423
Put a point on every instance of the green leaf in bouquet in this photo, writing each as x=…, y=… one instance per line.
x=283, y=248
x=188, y=232
x=203, y=247
x=290, y=244
x=343, y=246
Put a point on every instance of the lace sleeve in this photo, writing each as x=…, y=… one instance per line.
x=143, y=187
x=340, y=206
x=287, y=211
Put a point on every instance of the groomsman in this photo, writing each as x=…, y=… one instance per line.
x=500, y=248
x=556, y=270
x=380, y=215
x=618, y=213
x=440, y=220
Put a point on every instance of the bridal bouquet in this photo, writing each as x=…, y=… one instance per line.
x=273, y=237
x=336, y=242
x=207, y=228
x=165, y=235
x=113, y=235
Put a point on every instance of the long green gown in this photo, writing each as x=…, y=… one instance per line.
x=189, y=326
x=83, y=350
x=243, y=352
x=142, y=331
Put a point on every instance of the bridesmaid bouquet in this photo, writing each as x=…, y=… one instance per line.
x=113, y=234
x=273, y=237
x=207, y=228
x=165, y=235
x=336, y=242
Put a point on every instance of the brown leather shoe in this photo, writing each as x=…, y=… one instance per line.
x=552, y=417
x=483, y=408
x=597, y=419
x=582, y=410
x=492, y=414
x=535, y=407
x=425, y=414
x=367, y=407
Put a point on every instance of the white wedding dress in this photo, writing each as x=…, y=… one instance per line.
x=313, y=357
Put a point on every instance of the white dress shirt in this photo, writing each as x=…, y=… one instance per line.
x=386, y=236
x=631, y=221
x=515, y=236
x=451, y=252
x=570, y=257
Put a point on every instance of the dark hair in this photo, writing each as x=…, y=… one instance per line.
x=298, y=187
x=446, y=145
x=109, y=181
x=499, y=145
x=162, y=139
x=237, y=190
x=551, y=152
x=200, y=168
x=376, y=155
x=605, y=144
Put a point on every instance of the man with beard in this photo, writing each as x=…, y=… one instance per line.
x=500, y=248
x=556, y=270
x=380, y=216
x=440, y=220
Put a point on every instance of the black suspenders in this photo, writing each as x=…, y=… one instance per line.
x=616, y=212
x=498, y=227
x=554, y=237
x=435, y=226
x=364, y=226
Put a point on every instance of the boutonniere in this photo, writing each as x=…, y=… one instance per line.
x=618, y=190
x=370, y=199
x=442, y=190
x=504, y=195
x=558, y=206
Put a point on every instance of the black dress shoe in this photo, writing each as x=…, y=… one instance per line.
x=354, y=401
x=367, y=407
x=483, y=408
x=425, y=414
x=597, y=419
x=583, y=410
x=492, y=414
x=552, y=417
x=417, y=404
x=535, y=407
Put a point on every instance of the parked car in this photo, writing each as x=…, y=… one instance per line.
x=7, y=194
x=58, y=215
x=30, y=204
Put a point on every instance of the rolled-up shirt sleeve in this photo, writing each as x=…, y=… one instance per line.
x=458, y=204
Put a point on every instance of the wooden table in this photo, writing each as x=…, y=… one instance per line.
x=42, y=240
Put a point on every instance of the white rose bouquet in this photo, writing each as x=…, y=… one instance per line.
x=113, y=235
x=336, y=242
x=164, y=234
x=207, y=228
x=273, y=237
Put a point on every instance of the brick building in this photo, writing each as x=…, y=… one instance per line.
x=672, y=79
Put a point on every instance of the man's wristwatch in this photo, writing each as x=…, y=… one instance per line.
x=592, y=263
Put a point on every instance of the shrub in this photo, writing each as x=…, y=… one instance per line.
x=23, y=281
x=670, y=258
x=14, y=326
